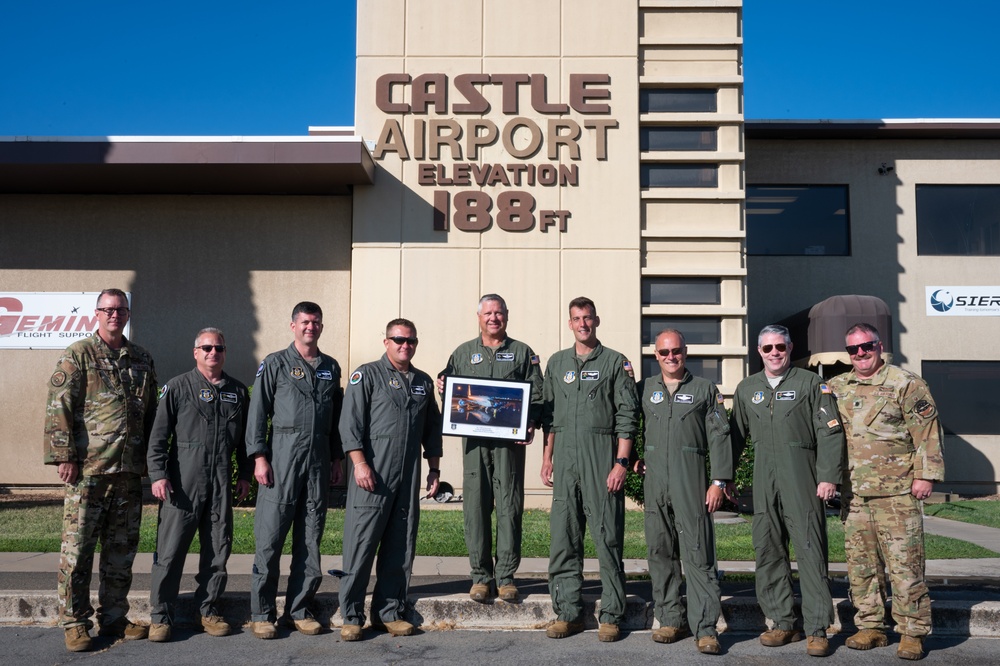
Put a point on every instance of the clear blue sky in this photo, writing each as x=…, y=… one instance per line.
x=252, y=67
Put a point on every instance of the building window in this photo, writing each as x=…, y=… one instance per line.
x=700, y=366
x=678, y=100
x=966, y=395
x=678, y=175
x=678, y=138
x=681, y=291
x=696, y=330
x=798, y=220
x=962, y=220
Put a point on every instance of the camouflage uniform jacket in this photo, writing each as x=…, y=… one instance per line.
x=893, y=431
x=101, y=407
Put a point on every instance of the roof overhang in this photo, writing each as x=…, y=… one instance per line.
x=913, y=128
x=314, y=165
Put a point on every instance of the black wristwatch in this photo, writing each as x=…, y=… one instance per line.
x=434, y=470
x=622, y=461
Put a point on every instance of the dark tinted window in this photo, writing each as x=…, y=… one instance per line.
x=797, y=220
x=678, y=138
x=700, y=366
x=673, y=100
x=696, y=330
x=667, y=291
x=958, y=220
x=678, y=175
x=966, y=395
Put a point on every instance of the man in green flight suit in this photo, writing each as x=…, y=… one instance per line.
x=389, y=414
x=299, y=390
x=894, y=455
x=791, y=417
x=201, y=421
x=590, y=416
x=494, y=468
x=684, y=420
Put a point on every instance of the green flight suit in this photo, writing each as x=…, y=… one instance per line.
x=798, y=443
x=388, y=415
x=681, y=430
x=588, y=406
x=493, y=469
x=208, y=423
x=304, y=405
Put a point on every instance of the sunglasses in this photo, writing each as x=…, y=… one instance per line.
x=864, y=346
x=781, y=347
x=208, y=348
x=677, y=351
x=121, y=312
x=399, y=339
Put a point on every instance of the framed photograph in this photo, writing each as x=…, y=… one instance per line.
x=493, y=408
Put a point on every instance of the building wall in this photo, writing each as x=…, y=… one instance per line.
x=236, y=262
x=884, y=260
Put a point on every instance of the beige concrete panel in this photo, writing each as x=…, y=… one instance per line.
x=23, y=392
x=730, y=139
x=733, y=372
x=689, y=68
x=602, y=276
x=375, y=300
x=733, y=292
x=417, y=210
x=529, y=282
x=380, y=27
x=599, y=28
x=368, y=118
x=689, y=53
x=444, y=28
x=731, y=177
x=730, y=100
x=689, y=26
x=667, y=218
x=521, y=27
x=732, y=331
x=672, y=256
x=605, y=207
x=378, y=208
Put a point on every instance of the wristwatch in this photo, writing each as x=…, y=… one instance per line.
x=719, y=484
x=622, y=461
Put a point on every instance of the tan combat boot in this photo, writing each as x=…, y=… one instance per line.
x=910, y=647
x=394, y=627
x=159, y=633
x=669, y=634
x=78, y=639
x=481, y=592
x=350, y=632
x=817, y=646
x=608, y=633
x=508, y=593
x=866, y=639
x=777, y=637
x=265, y=630
x=561, y=629
x=215, y=625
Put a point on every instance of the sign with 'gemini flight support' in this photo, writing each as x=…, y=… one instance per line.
x=47, y=320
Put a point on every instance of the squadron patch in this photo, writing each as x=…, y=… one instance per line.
x=656, y=398
x=394, y=382
x=206, y=395
x=418, y=389
x=260, y=369
x=355, y=377
x=719, y=399
x=505, y=356
x=58, y=378
x=324, y=374
x=832, y=423
x=758, y=397
x=924, y=409
x=628, y=368
x=590, y=375
x=298, y=373
x=163, y=391
x=684, y=398
x=570, y=376
x=476, y=359
x=784, y=395
x=228, y=397
x=825, y=388
x=534, y=360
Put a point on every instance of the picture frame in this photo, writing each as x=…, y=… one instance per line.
x=490, y=408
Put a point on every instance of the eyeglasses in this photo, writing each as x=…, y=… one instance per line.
x=766, y=349
x=399, y=339
x=208, y=348
x=667, y=352
x=121, y=312
x=864, y=346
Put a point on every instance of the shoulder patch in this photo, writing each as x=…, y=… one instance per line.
x=719, y=399
x=832, y=423
x=825, y=388
x=58, y=378
x=356, y=377
x=628, y=368
x=163, y=391
x=534, y=360
x=924, y=409
x=260, y=369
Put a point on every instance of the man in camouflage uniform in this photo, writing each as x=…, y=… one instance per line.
x=200, y=423
x=894, y=455
x=494, y=468
x=684, y=423
x=102, y=400
x=791, y=417
x=590, y=415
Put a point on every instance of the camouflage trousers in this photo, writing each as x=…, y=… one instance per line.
x=105, y=508
x=883, y=533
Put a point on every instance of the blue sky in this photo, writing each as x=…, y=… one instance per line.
x=246, y=68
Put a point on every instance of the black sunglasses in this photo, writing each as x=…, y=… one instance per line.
x=208, y=348
x=677, y=351
x=864, y=346
x=781, y=346
x=399, y=339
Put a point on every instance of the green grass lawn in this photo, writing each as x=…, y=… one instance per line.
x=978, y=512
x=37, y=528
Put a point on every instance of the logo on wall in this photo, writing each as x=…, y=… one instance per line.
x=951, y=301
x=942, y=300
